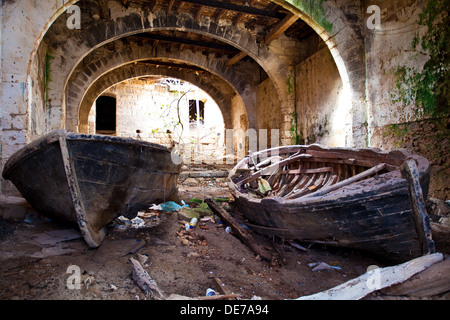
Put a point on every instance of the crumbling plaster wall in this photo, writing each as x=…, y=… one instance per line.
x=386, y=49
x=395, y=125
x=321, y=106
x=23, y=23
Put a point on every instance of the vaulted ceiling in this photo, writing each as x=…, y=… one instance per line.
x=265, y=19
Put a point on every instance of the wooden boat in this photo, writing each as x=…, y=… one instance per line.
x=351, y=198
x=92, y=179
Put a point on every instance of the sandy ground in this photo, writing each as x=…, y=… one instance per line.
x=180, y=262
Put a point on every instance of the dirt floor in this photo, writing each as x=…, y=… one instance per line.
x=180, y=262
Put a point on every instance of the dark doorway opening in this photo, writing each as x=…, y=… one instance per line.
x=194, y=114
x=105, y=122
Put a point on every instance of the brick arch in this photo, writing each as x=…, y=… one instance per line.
x=80, y=44
x=79, y=84
x=131, y=71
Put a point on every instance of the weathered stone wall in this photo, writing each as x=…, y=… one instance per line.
x=387, y=48
x=323, y=110
x=429, y=138
x=269, y=113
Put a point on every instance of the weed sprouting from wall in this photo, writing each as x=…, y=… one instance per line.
x=429, y=88
x=47, y=73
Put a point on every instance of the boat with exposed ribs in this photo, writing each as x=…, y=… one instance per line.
x=364, y=199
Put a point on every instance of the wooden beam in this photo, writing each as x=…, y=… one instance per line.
x=238, y=8
x=221, y=14
x=241, y=16
x=171, y=65
x=199, y=13
x=180, y=7
x=171, y=3
x=241, y=55
x=281, y=27
x=185, y=41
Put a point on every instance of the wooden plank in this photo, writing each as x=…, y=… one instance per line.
x=411, y=173
x=199, y=13
x=171, y=3
x=241, y=55
x=272, y=167
x=281, y=27
x=242, y=234
x=433, y=281
x=377, y=279
x=362, y=175
x=307, y=171
x=143, y=280
x=211, y=45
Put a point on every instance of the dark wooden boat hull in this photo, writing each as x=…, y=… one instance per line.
x=92, y=179
x=374, y=214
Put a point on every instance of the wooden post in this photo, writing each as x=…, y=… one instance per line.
x=411, y=174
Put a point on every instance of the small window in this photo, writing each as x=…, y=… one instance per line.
x=193, y=111
x=105, y=122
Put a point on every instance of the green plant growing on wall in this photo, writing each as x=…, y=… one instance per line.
x=294, y=125
x=47, y=73
x=429, y=88
x=315, y=9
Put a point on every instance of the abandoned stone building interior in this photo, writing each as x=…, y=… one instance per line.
x=217, y=74
x=316, y=71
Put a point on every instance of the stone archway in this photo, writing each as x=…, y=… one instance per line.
x=79, y=84
x=130, y=71
x=76, y=47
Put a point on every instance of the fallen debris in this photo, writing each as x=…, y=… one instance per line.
x=215, y=297
x=243, y=235
x=144, y=281
x=53, y=237
x=376, y=279
x=322, y=266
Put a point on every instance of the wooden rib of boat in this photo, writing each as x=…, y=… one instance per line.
x=92, y=179
x=344, y=197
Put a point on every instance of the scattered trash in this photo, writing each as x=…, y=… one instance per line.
x=137, y=223
x=319, y=266
x=264, y=186
x=193, y=223
x=228, y=229
x=210, y=292
x=171, y=206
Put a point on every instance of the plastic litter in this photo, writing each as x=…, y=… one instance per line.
x=193, y=223
x=322, y=266
x=168, y=206
x=210, y=292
